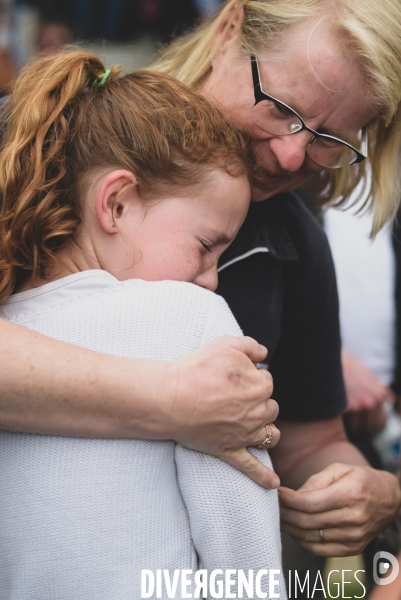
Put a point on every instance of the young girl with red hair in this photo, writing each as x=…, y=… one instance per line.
x=118, y=195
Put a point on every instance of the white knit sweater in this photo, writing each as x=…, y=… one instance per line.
x=80, y=518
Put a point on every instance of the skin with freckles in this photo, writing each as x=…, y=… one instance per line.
x=310, y=75
x=180, y=238
x=361, y=500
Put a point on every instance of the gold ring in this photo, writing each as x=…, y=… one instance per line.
x=321, y=535
x=269, y=437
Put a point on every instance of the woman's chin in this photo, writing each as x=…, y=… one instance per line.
x=265, y=188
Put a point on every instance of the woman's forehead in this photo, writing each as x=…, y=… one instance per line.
x=313, y=76
x=313, y=54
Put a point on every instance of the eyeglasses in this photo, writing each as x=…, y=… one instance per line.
x=275, y=117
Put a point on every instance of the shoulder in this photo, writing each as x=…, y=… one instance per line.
x=190, y=305
x=178, y=296
x=309, y=278
x=161, y=320
x=295, y=236
x=183, y=310
x=284, y=225
x=314, y=264
x=305, y=230
x=130, y=297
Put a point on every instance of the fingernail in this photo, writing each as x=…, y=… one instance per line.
x=275, y=483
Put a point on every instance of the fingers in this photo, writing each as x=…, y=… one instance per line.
x=390, y=395
x=352, y=510
x=340, y=539
x=316, y=501
x=271, y=412
x=337, y=541
x=332, y=519
x=222, y=404
x=364, y=390
x=376, y=418
x=248, y=464
x=324, y=481
x=335, y=535
x=255, y=351
x=263, y=435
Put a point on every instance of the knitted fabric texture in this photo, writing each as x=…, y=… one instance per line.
x=80, y=518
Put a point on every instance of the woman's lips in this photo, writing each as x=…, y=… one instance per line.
x=266, y=177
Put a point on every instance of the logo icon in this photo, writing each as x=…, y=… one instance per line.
x=382, y=561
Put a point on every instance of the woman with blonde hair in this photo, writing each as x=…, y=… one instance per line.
x=317, y=84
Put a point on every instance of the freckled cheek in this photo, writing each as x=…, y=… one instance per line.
x=188, y=264
x=174, y=261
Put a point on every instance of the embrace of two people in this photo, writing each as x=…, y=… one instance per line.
x=118, y=194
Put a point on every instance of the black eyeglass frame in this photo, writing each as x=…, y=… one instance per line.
x=261, y=95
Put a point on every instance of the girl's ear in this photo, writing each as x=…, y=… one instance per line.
x=117, y=192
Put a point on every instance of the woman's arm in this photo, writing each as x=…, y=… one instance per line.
x=213, y=400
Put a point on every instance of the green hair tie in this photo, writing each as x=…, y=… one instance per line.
x=99, y=81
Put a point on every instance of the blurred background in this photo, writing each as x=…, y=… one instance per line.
x=124, y=32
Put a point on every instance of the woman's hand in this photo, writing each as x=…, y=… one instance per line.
x=339, y=510
x=366, y=397
x=364, y=390
x=220, y=403
x=213, y=400
x=348, y=501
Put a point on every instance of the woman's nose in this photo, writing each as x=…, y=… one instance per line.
x=208, y=279
x=290, y=150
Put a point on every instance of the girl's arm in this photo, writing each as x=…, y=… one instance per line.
x=235, y=524
x=213, y=400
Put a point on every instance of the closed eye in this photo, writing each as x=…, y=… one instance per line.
x=283, y=109
x=208, y=248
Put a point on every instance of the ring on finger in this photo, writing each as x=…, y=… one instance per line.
x=268, y=440
x=321, y=536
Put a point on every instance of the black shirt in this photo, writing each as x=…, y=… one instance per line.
x=278, y=279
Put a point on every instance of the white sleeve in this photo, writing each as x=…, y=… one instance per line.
x=234, y=522
x=219, y=320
